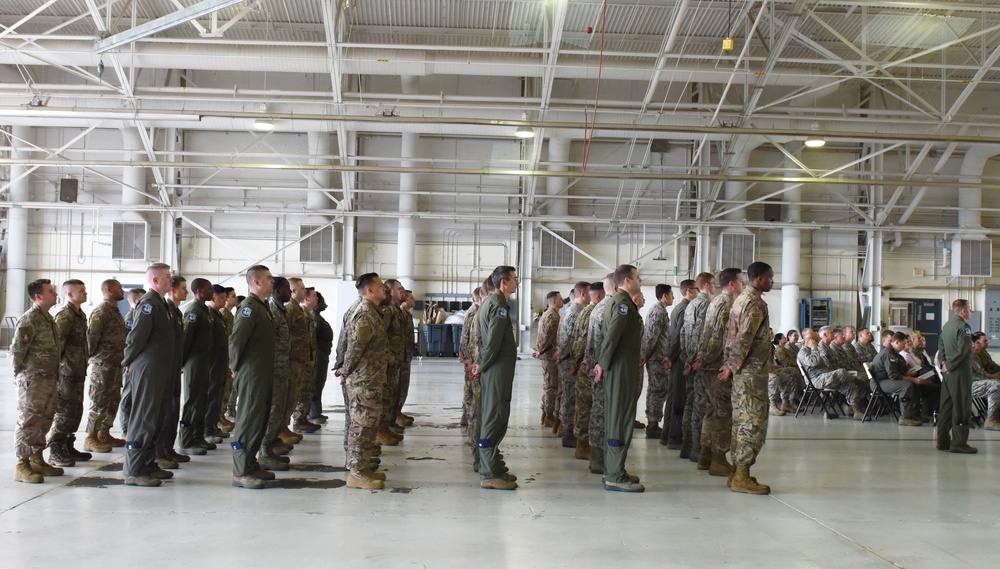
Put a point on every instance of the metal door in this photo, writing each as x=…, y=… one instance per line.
x=926, y=315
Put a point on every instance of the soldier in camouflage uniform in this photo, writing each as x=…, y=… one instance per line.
x=747, y=356
x=694, y=322
x=365, y=357
x=271, y=448
x=402, y=419
x=617, y=369
x=125, y=407
x=394, y=327
x=199, y=328
x=301, y=413
x=324, y=345
x=717, y=426
x=465, y=355
x=252, y=354
x=72, y=325
x=546, y=351
x=595, y=335
x=672, y=434
x=35, y=355
x=567, y=383
x=655, y=340
x=577, y=436
x=106, y=344
x=864, y=346
x=228, y=412
x=784, y=382
x=299, y=358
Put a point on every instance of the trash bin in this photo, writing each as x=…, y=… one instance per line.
x=434, y=337
x=456, y=338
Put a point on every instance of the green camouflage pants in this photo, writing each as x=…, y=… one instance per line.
x=784, y=385
x=388, y=395
x=307, y=388
x=717, y=426
x=105, y=396
x=584, y=403
x=365, y=404
x=276, y=419
x=550, y=386
x=36, y=404
x=567, y=410
x=596, y=429
x=656, y=391
x=749, y=416
x=693, y=411
x=69, y=407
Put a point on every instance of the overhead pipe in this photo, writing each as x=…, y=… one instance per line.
x=17, y=225
x=320, y=181
x=407, y=231
x=133, y=177
x=970, y=195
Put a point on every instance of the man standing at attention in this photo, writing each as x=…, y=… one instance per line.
x=748, y=357
x=618, y=367
x=956, y=391
x=72, y=325
x=251, y=354
x=497, y=356
x=655, y=339
x=106, y=343
x=545, y=350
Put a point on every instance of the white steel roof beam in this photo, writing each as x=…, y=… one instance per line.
x=165, y=23
x=12, y=28
x=333, y=26
x=552, y=56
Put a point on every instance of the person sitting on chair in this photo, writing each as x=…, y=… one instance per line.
x=825, y=375
x=930, y=391
x=889, y=369
x=985, y=384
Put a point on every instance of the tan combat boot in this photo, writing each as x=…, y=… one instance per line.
x=497, y=484
x=372, y=475
x=407, y=420
x=93, y=444
x=105, y=437
x=720, y=466
x=288, y=437
x=23, y=473
x=361, y=482
x=705, y=459
x=743, y=482
x=39, y=466
x=386, y=437
x=582, y=448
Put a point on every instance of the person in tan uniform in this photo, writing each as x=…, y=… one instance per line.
x=106, y=343
x=72, y=325
x=546, y=351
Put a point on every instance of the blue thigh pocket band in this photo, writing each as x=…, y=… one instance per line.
x=614, y=443
x=484, y=443
x=236, y=445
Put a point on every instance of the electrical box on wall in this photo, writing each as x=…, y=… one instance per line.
x=991, y=313
x=815, y=313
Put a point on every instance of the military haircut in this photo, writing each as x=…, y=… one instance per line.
x=686, y=285
x=200, y=283
x=596, y=287
x=106, y=285
x=255, y=272
x=623, y=272
x=730, y=275
x=391, y=282
x=364, y=281
x=826, y=329
x=294, y=280
x=662, y=289
x=177, y=281
x=976, y=336
x=581, y=287
x=310, y=290
x=502, y=273
x=230, y=290
x=838, y=331
x=36, y=287
x=71, y=283
x=901, y=337
x=959, y=304
x=758, y=269
x=136, y=293
x=280, y=282
x=886, y=332
x=703, y=279
x=551, y=297
x=157, y=267
x=218, y=289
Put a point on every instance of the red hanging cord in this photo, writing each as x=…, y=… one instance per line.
x=589, y=137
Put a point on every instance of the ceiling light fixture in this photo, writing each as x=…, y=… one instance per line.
x=263, y=125
x=524, y=131
x=814, y=140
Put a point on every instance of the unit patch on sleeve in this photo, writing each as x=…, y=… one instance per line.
x=623, y=309
x=146, y=308
x=246, y=312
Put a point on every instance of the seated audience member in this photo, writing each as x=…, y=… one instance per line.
x=784, y=383
x=825, y=375
x=930, y=392
x=793, y=341
x=890, y=371
x=845, y=359
x=864, y=346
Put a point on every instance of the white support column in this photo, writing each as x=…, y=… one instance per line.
x=525, y=293
x=133, y=177
x=320, y=148
x=349, y=248
x=876, y=289
x=558, y=162
x=17, y=227
x=791, y=259
x=406, y=239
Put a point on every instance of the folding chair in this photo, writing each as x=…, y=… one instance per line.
x=813, y=396
x=979, y=405
x=880, y=401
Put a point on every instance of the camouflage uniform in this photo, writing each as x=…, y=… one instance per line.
x=298, y=358
x=466, y=352
x=986, y=362
x=308, y=388
x=655, y=340
x=694, y=321
x=841, y=359
x=475, y=421
x=785, y=383
x=673, y=407
x=106, y=343
x=228, y=393
x=865, y=353
x=71, y=323
x=199, y=330
x=365, y=358
x=583, y=393
x=824, y=375
x=35, y=354
x=748, y=355
x=595, y=335
x=282, y=375
x=717, y=426
x=986, y=387
x=391, y=316
x=564, y=398
x=410, y=351
x=545, y=345
x=339, y=363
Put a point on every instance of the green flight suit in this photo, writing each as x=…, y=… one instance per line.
x=199, y=328
x=956, y=390
x=150, y=357
x=619, y=357
x=172, y=408
x=251, y=354
x=497, y=356
x=218, y=373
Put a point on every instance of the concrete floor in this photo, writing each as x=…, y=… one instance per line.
x=844, y=495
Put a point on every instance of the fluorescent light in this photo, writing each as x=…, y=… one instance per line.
x=524, y=132
x=262, y=124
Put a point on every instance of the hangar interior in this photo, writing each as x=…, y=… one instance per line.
x=850, y=144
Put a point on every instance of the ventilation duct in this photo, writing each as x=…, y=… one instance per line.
x=317, y=248
x=555, y=254
x=129, y=240
x=736, y=250
x=972, y=258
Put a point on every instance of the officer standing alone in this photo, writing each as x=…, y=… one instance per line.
x=955, y=413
